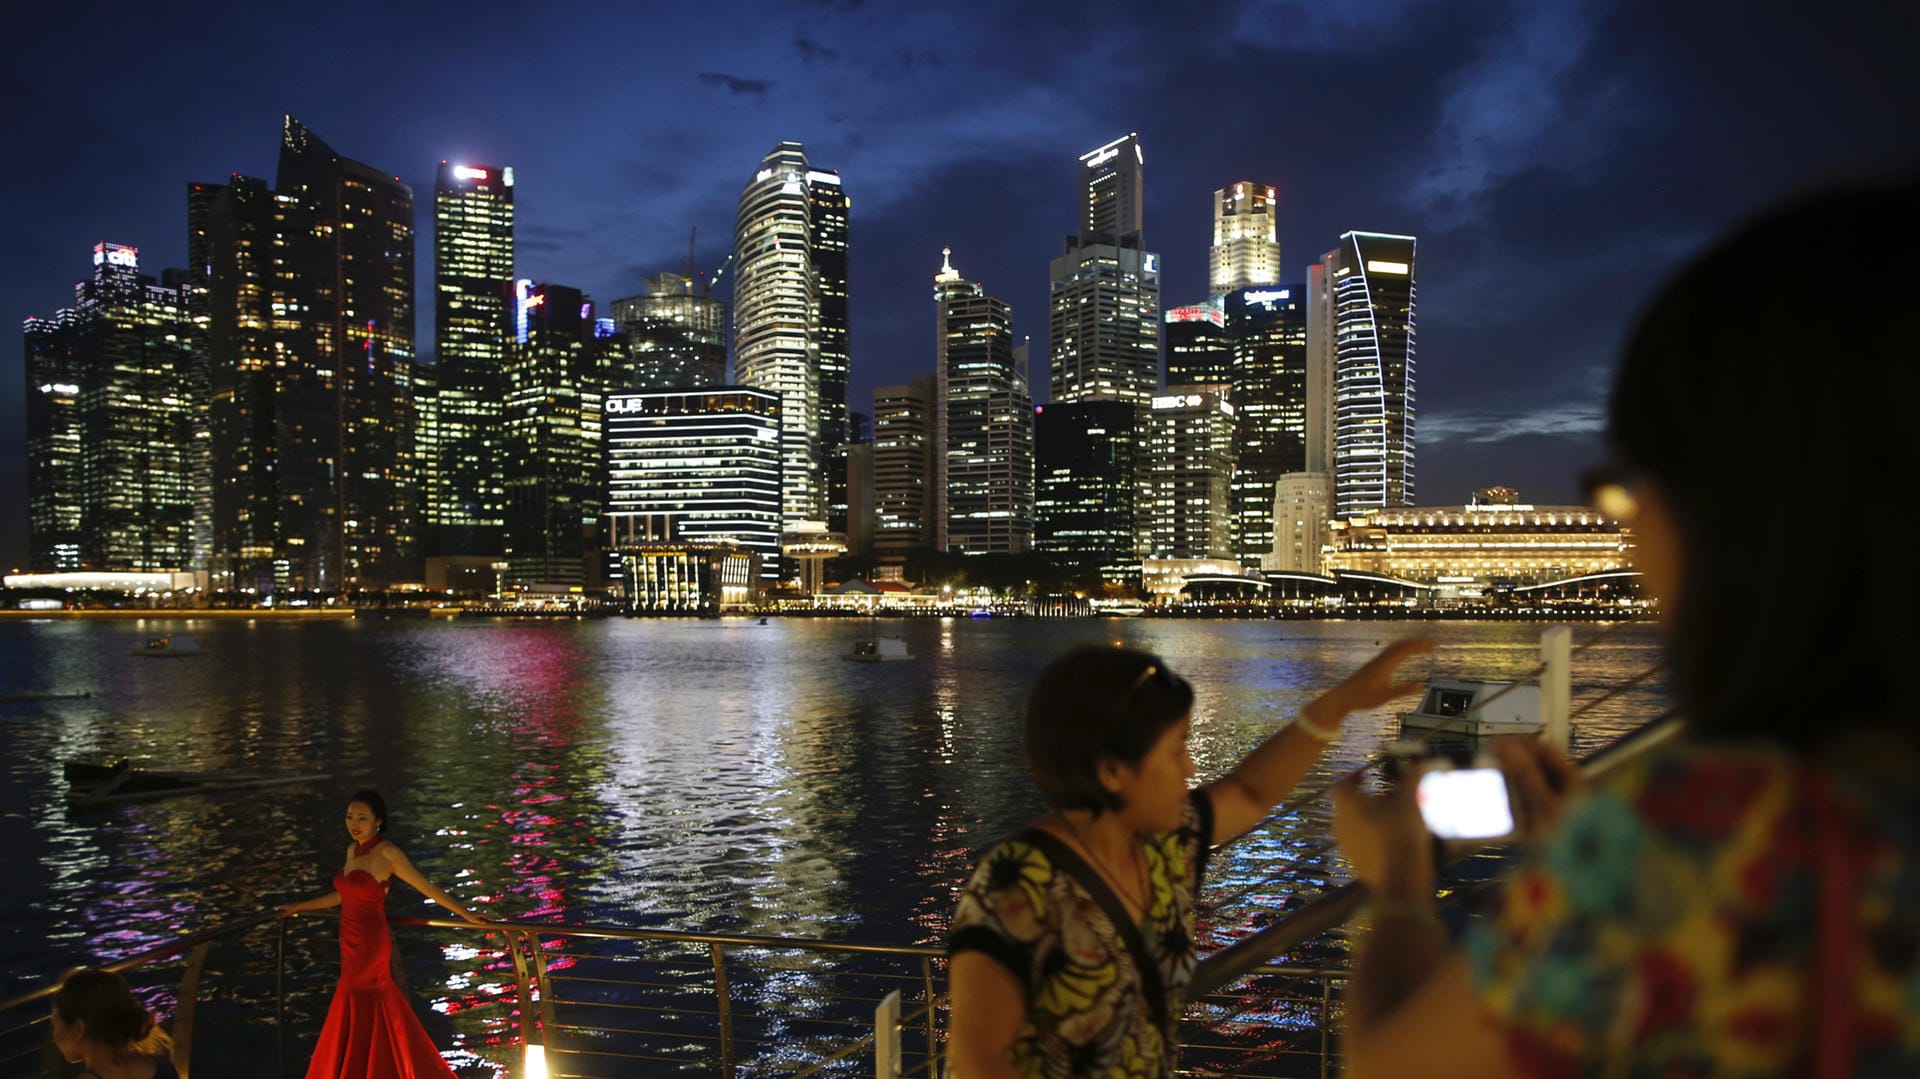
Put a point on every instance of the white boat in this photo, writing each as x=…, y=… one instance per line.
x=1470, y=710
x=168, y=644
x=879, y=650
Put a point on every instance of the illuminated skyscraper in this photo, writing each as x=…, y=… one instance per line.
x=559, y=371
x=678, y=338
x=984, y=497
x=904, y=468
x=1190, y=473
x=1199, y=350
x=695, y=466
x=1246, y=244
x=1104, y=311
x=1087, y=472
x=1268, y=327
x=790, y=322
x=1370, y=277
x=310, y=327
x=111, y=424
x=461, y=449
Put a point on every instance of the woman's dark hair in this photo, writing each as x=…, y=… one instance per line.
x=1769, y=396
x=114, y=1017
x=1095, y=703
x=373, y=801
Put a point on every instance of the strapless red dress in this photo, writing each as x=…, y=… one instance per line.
x=371, y=1032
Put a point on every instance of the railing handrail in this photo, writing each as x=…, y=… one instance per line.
x=151, y=955
x=1337, y=906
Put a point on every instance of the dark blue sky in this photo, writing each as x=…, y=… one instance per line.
x=1555, y=159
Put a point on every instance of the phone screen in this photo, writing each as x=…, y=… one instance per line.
x=1465, y=803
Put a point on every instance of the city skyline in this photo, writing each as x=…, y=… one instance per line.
x=1555, y=164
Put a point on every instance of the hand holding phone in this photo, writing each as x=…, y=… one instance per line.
x=1465, y=803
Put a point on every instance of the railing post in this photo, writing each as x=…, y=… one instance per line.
x=280, y=1003
x=886, y=1037
x=183, y=1016
x=1326, y=1020
x=1556, y=687
x=933, y=1030
x=726, y=1009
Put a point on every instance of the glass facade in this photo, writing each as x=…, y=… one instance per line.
x=1371, y=280
x=1268, y=327
x=112, y=428
x=1086, y=482
x=985, y=490
x=1190, y=473
x=678, y=338
x=696, y=467
x=461, y=449
x=904, y=468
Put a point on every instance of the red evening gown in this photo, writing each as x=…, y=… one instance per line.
x=371, y=1032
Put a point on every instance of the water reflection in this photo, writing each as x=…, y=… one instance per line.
x=717, y=775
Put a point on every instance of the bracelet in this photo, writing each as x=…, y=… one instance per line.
x=1314, y=730
x=1399, y=910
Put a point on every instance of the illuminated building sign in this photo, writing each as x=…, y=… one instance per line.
x=1266, y=296
x=465, y=172
x=116, y=255
x=1383, y=266
x=1100, y=157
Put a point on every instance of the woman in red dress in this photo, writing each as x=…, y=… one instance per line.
x=371, y=1032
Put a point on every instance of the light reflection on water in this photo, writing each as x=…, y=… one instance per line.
x=715, y=775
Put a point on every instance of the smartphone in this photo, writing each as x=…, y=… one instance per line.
x=1465, y=803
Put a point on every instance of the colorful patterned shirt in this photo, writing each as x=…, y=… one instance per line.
x=1037, y=908
x=1674, y=924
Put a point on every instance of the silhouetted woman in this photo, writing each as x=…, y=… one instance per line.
x=100, y=1025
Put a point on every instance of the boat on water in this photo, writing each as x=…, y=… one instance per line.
x=91, y=786
x=1470, y=710
x=35, y=698
x=879, y=650
x=168, y=644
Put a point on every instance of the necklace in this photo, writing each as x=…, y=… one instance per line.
x=1139, y=900
x=360, y=850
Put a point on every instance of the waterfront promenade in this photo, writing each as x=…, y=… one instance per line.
x=711, y=776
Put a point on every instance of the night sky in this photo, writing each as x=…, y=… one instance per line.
x=1556, y=160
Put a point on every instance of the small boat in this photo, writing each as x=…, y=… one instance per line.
x=1470, y=710
x=34, y=698
x=91, y=786
x=879, y=650
x=763, y=620
x=168, y=644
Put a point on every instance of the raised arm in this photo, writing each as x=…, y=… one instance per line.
x=1244, y=796
x=403, y=868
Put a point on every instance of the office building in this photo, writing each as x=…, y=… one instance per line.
x=1086, y=477
x=1302, y=503
x=1246, y=239
x=559, y=371
x=1190, y=471
x=984, y=493
x=1268, y=330
x=310, y=328
x=790, y=322
x=1477, y=551
x=678, y=337
x=1199, y=349
x=462, y=488
x=905, y=467
x=1104, y=303
x=696, y=467
x=111, y=424
x=1371, y=280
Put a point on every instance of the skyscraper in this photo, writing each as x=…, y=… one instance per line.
x=1199, y=350
x=558, y=373
x=310, y=327
x=790, y=323
x=461, y=449
x=1190, y=473
x=1088, y=461
x=1371, y=280
x=695, y=466
x=1268, y=328
x=1246, y=244
x=111, y=424
x=904, y=468
x=984, y=497
x=678, y=337
x=1104, y=311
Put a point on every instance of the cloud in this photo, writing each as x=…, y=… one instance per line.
x=810, y=50
x=1559, y=420
x=735, y=85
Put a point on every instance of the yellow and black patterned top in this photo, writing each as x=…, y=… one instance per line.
x=1103, y=995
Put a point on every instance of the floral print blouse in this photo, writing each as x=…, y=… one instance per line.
x=1103, y=995
x=1714, y=911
